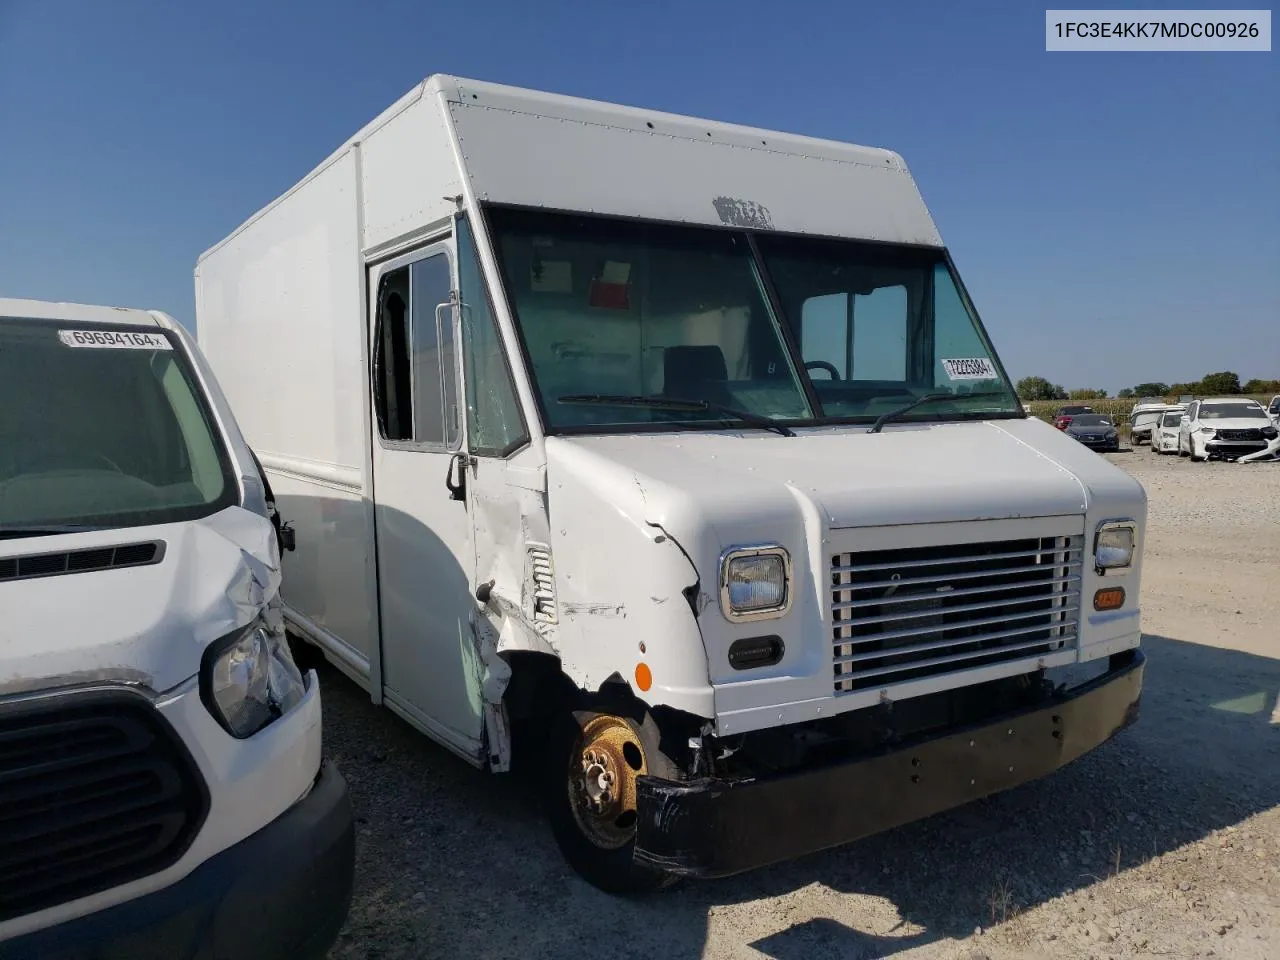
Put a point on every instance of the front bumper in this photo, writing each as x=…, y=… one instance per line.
x=1100, y=443
x=1234, y=448
x=714, y=828
x=281, y=894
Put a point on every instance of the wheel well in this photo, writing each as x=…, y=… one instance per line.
x=539, y=690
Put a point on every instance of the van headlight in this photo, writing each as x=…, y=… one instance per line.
x=1113, y=545
x=248, y=679
x=755, y=582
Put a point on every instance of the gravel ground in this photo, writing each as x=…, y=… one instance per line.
x=1165, y=842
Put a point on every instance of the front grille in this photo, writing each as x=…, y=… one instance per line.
x=1240, y=434
x=95, y=790
x=905, y=614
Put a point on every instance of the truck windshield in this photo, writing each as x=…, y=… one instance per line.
x=878, y=324
x=618, y=307
x=102, y=426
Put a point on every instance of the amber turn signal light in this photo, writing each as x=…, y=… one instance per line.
x=1111, y=598
x=644, y=676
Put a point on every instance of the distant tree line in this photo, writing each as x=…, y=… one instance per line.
x=1223, y=383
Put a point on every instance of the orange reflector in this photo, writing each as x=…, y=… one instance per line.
x=1112, y=598
x=644, y=679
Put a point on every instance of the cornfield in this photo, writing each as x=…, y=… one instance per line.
x=1117, y=410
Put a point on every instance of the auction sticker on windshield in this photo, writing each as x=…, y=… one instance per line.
x=115, y=339
x=973, y=368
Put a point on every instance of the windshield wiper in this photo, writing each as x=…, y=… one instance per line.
x=928, y=398
x=672, y=403
x=47, y=530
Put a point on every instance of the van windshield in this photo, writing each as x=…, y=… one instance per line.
x=646, y=311
x=102, y=426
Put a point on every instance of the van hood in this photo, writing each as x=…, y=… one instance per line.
x=908, y=474
x=146, y=625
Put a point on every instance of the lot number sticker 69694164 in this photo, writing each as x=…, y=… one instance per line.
x=115, y=339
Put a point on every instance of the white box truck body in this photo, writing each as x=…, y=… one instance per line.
x=680, y=446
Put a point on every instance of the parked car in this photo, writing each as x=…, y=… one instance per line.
x=1143, y=418
x=1063, y=417
x=1164, y=437
x=162, y=793
x=511, y=432
x=1095, y=431
x=1273, y=408
x=1225, y=428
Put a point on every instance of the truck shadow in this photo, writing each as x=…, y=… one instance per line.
x=456, y=863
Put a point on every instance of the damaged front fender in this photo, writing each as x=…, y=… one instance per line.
x=622, y=586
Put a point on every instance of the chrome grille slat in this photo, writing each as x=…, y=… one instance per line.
x=911, y=564
x=924, y=631
x=958, y=658
x=903, y=614
x=901, y=582
x=966, y=592
x=939, y=645
x=966, y=608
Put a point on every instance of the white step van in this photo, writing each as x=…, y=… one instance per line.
x=162, y=793
x=675, y=450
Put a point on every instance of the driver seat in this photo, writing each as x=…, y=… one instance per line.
x=695, y=372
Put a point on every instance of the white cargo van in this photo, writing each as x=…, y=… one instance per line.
x=680, y=447
x=162, y=793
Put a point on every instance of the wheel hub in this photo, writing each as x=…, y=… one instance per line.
x=602, y=780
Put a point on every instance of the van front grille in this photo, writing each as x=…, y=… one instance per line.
x=96, y=790
x=905, y=614
x=1251, y=434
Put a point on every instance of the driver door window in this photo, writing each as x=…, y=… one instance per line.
x=415, y=378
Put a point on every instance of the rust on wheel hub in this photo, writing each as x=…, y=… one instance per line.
x=602, y=780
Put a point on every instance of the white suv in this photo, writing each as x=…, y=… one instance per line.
x=1225, y=428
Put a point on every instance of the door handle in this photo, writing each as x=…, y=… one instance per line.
x=457, y=491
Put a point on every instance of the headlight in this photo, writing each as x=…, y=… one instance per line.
x=1207, y=431
x=1113, y=545
x=755, y=582
x=248, y=679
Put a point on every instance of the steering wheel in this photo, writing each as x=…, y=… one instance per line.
x=823, y=365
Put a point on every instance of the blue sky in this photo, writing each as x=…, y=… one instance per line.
x=1116, y=216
